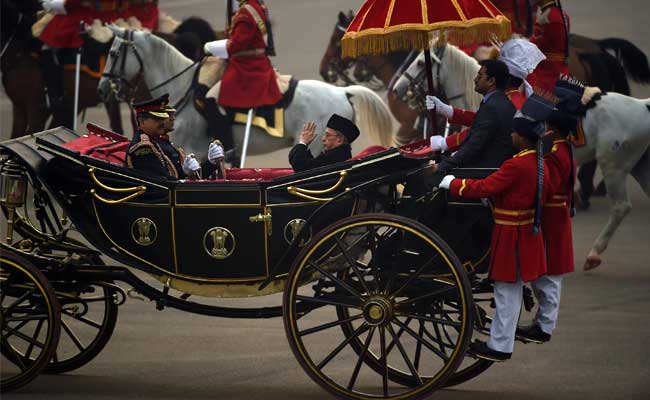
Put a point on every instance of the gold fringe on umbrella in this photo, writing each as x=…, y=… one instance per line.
x=376, y=41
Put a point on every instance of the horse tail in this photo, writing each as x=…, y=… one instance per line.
x=371, y=114
x=633, y=59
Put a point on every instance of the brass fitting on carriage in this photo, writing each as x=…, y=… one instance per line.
x=309, y=194
x=135, y=191
x=13, y=191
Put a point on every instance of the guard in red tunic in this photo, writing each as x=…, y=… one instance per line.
x=516, y=190
x=551, y=35
x=521, y=57
x=249, y=80
x=63, y=32
x=556, y=226
x=520, y=14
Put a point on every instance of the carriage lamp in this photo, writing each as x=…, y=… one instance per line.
x=13, y=191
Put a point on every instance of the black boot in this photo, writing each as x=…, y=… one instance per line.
x=53, y=76
x=532, y=333
x=219, y=125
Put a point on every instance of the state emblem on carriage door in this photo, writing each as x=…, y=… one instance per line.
x=219, y=243
x=292, y=228
x=144, y=231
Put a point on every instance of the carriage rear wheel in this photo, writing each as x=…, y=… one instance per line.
x=379, y=284
x=88, y=318
x=30, y=320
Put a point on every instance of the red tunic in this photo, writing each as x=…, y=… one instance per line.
x=551, y=38
x=512, y=189
x=556, y=221
x=249, y=80
x=513, y=9
x=466, y=118
x=63, y=30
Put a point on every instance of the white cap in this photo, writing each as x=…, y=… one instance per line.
x=521, y=57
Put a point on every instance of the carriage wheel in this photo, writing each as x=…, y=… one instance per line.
x=31, y=321
x=382, y=279
x=88, y=319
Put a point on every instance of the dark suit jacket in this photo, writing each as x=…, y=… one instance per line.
x=488, y=143
x=301, y=159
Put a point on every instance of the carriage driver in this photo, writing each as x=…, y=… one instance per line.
x=517, y=254
x=151, y=151
x=340, y=132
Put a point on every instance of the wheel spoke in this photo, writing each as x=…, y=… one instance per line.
x=352, y=263
x=425, y=296
x=357, y=367
x=420, y=339
x=15, y=355
x=384, y=360
x=372, y=243
x=321, y=300
x=25, y=337
x=328, y=325
x=415, y=274
x=364, y=327
x=73, y=337
x=337, y=281
x=17, y=327
x=434, y=320
x=418, y=347
x=399, y=335
x=414, y=372
x=438, y=338
x=37, y=331
x=83, y=319
x=19, y=300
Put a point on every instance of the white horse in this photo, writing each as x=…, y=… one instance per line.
x=617, y=132
x=165, y=70
x=453, y=73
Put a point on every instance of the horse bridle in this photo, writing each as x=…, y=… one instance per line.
x=117, y=80
x=417, y=90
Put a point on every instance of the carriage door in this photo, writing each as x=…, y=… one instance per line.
x=215, y=238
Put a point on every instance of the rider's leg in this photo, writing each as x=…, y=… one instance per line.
x=53, y=76
x=220, y=127
x=547, y=289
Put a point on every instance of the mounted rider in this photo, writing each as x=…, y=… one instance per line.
x=551, y=35
x=249, y=80
x=60, y=29
x=520, y=14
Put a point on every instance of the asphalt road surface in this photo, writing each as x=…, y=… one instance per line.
x=600, y=349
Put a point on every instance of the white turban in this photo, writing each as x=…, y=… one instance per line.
x=521, y=57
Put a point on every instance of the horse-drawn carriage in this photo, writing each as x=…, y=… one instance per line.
x=375, y=303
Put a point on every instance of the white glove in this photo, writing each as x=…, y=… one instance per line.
x=438, y=143
x=434, y=103
x=190, y=164
x=215, y=152
x=54, y=6
x=217, y=48
x=446, y=182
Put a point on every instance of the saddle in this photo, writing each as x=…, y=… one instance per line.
x=268, y=118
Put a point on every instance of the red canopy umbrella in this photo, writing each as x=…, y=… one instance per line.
x=384, y=26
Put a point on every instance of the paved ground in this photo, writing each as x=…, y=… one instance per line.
x=599, y=351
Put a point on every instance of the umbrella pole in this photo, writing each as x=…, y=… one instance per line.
x=428, y=66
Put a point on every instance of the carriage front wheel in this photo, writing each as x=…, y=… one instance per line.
x=30, y=319
x=365, y=304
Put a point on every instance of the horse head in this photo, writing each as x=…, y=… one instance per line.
x=332, y=66
x=453, y=74
x=124, y=65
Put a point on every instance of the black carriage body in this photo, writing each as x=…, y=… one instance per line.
x=202, y=232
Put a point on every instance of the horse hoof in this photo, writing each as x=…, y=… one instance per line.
x=592, y=262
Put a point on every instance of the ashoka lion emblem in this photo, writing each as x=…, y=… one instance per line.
x=144, y=231
x=219, y=243
x=292, y=229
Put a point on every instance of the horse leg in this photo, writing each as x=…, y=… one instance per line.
x=586, y=179
x=621, y=206
x=641, y=172
x=114, y=116
x=19, y=125
x=406, y=117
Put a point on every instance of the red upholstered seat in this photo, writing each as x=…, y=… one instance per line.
x=101, y=144
x=257, y=174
